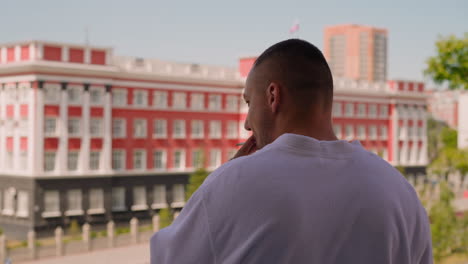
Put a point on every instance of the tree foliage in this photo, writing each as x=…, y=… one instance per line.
x=450, y=64
x=165, y=217
x=196, y=179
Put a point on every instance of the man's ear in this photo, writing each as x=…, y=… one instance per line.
x=274, y=97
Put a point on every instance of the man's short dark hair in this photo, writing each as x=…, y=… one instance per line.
x=302, y=68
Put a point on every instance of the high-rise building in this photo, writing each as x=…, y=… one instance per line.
x=356, y=52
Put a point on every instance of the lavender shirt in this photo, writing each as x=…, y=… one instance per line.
x=300, y=200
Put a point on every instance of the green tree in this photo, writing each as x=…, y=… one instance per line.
x=165, y=217
x=196, y=179
x=450, y=64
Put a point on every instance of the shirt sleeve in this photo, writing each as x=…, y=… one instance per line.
x=188, y=239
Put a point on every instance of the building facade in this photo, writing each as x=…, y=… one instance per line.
x=356, y=52
x=88, y=136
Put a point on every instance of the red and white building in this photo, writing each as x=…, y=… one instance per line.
x=91, y=136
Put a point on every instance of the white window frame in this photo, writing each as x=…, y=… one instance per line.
x=69, y=161
x=179, y=129
x=215, y=129
x=163, y=159
x=96, y=201
x=214, y=102
x=96, y=127
x=215, y=158
x=121, y=160
x=136, y=153
x=160, y=99
x=138, y=193
x=94, y=159
x=74, y=127
x=198, y=131
x=74, y=95
x=232, y=130
x=119, y=97
x=52, y=93
x=349, y=135
x=118, y=194
x=119, y=125
x=373, y=132
x=383, y=111
x=22, y=204
x=99, y=100
x=143, y=129
x=157, y=123
x=361, y=110
x=24, y=159
x=51, y=197
x=140, y=98
x=74, y=202
x=178, y=196
x=338, y=130
x=337, y=109
x=372, y=110
x=232, y=103
x=49, y=157
x=182, y=159
x=197, y=162
x=50, y=126
x=9, y=201
x=361, y=131
x=159, y=196
x=197, y=101
x=383, y=135
x=179, y=100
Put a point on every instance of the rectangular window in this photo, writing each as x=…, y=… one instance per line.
x=118, y=160
x=118, y=199
x=349, y=111
x=197, y=159
x=384, y=111
x=160, y=99
x=214, y=102
x=337, y=109
x=179, y=159
x=178, y=192
x=8, y=202
x=140, y=98
x=383, y=132
x=160, y=128
x=232, y=103
x=49, y=161
x=372, y=110
x=197, y=101
x=24, y=160
x=361, y=110
x=74, y=199
x=9, y=159
x=72, y=161
x=373, y=132
x=95, y=127
x=349, y=132
x=52, y=94
x=96, y=200
x=74, y=127
x=51, y=203
x=179, y=100
x=23, y=204
x=215, y=129
x=215, y=158
x=139, y=198
x=159, y=159
x=119, y=97
x=159, y=196
x=361, y=132
x=179, y=129
x=410, y=131
x=139, y=128
x=94, y=160
x=139, y=159
x=337, y=130
x=74, y=95
x=197, y=129
x=232, y=129
x=96, y=95
x=118, y=128
x=50, y=126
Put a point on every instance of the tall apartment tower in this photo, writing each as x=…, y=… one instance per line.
x=357, y=52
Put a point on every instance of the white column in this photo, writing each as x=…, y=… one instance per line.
x=32, y=132
x=17, y=53
x=39, y=128
x=85, y=140
x=65, y=57
x=415, y=138
x=32, y=52
x=87, y=55
x=3, y=55
x=423, y=157
x=106, y=153
x=395, y=140
x=40, y=51
x=62, y=152
x=17, y=134
x=2, y=127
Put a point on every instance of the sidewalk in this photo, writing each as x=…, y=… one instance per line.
x=137, y=254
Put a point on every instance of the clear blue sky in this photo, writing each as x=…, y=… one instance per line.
x=219, y=32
